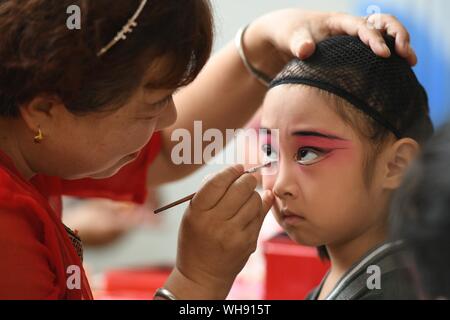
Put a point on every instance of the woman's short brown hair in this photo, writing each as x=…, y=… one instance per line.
x=40, y=55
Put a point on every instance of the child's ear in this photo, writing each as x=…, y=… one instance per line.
x=400, y=156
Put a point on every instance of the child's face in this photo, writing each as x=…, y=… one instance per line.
x=321, y=194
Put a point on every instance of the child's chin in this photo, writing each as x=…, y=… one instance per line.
x=303, y=239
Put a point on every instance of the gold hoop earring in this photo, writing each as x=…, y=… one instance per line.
x=39, y=137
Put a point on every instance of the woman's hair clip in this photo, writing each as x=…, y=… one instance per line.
x=127, y=28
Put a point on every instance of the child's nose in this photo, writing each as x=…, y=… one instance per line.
x=285, y=185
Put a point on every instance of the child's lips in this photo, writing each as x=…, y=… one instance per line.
x=291, y=217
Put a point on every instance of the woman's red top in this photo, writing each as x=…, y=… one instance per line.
x=37, y=257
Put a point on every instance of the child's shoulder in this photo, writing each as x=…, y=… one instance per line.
x=383, y=274
x=395, y=285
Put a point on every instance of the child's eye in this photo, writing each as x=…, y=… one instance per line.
x=308, y=156
x=269, y=152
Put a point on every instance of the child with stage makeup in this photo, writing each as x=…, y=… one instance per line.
x=349, y=125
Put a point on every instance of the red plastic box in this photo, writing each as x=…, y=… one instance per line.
x=133, y=284
x=292, y=270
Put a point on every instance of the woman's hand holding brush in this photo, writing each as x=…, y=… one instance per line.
x=218, y=234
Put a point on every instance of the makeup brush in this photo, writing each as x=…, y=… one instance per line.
x=189, y=197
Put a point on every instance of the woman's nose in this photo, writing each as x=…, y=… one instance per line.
x=168, y=117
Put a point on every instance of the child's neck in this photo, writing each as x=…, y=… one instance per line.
x=344, y=255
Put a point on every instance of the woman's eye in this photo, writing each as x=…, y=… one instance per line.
x=269, y=151
x=308, y=156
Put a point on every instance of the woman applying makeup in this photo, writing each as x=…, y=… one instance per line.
x=89, y=112
x=350, y=124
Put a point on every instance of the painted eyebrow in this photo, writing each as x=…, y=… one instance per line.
x=316, y=134
x=308, y=134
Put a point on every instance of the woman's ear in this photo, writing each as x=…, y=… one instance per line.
x=39, y=112
x=400, y=156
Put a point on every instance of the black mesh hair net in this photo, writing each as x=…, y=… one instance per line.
x=386, y=89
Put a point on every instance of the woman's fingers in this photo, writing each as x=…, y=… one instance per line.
x=254, y=211
x=303, y=44
x=249, y=212
x=394, y=28
x=374, y=39
x=252, y=229
x=215, y=188
x=237, y=196
x=342, y=23
x=248, y=222
x=371, y=32
x=356, y=26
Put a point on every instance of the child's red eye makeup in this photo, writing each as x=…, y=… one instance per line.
x=314, y=146
x=308, y=155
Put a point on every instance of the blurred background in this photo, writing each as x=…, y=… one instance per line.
x=152, y=241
